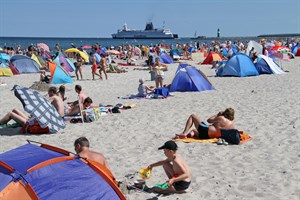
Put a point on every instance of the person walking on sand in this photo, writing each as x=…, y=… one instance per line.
x=93, y=60
x=82, y=148
x=222, y=120
x=78, y=65
x=103, y=66
x=176, y=168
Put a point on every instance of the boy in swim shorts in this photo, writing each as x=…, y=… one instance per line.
x=176, y=168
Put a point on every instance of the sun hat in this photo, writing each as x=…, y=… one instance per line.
x=170, y=145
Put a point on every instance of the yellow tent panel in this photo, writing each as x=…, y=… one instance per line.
x=5, y=70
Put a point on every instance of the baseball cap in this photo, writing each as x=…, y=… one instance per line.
x=171, y=145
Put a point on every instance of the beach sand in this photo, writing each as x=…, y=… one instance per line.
x=267, y=107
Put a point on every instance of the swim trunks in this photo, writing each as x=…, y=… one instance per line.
x=94, y=67
x=203, y=131
x=181, y=185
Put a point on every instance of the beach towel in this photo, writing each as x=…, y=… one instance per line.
x=244, y=137
x=188, y=140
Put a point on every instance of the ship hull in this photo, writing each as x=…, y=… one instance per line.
x=141, y=36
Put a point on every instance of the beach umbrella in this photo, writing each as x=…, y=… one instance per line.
x=43, y=46
x=86, y=47
x=82, y=54
x=281, y=49
x=115, y=52
x=39, y=108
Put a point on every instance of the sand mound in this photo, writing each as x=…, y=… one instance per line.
x=40, y=86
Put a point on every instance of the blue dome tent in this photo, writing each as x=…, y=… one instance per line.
x=238, y=65
x=188, y=78
x=47, y=172
x=24, y=64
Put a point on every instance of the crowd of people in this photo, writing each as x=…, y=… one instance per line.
x=175, y=167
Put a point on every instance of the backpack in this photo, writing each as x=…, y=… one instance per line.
x=231, y=136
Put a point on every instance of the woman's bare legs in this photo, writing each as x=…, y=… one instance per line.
x=160, y=82
x=192, y=120
x=80, y=73
x=157, y=83
x=76, y=72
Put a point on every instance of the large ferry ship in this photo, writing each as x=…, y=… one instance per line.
x=149, y=33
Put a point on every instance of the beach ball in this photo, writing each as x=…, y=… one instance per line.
x=145, y=174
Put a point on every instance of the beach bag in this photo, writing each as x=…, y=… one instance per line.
x=161, y=91
x=34, y=128
x=231, y=136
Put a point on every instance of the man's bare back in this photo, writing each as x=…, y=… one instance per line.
x=220, y=122
x=58, y=103
x=98, y=157
x=82, y=149
x=82, y=96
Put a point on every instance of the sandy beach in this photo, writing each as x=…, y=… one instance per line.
x=267, y=108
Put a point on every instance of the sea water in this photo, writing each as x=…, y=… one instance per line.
x=65, y=43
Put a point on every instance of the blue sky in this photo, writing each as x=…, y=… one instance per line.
x=99, y=18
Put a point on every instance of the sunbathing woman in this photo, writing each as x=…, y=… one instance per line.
x=222, y=120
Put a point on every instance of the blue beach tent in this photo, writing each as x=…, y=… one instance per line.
x=296, y=50
x=188, y=78
x=165, y=58
x=58, y=74
x=25, y=64
x=49, y=173
x=238, y=65
x=266, y=65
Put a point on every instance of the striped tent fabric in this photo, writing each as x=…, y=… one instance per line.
x=39, y=108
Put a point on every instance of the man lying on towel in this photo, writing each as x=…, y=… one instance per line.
x=222, y=120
